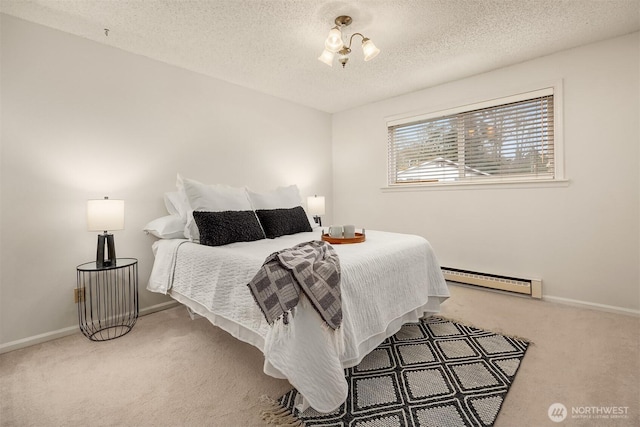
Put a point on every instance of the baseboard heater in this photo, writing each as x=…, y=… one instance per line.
x=531, y=287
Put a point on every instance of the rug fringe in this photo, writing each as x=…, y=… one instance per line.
x=462, y=322
x=274, y=414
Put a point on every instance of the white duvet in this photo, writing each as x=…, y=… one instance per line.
x=388, y=280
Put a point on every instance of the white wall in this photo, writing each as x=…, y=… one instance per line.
x=82, y=120
x=582, y=239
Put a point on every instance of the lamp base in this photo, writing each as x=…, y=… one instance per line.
x=110, y=261
x=318, y=220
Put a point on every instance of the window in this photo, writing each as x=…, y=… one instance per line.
x=508, y=139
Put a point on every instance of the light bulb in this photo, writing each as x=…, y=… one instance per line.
x=326, y=57
x=344, y=57
x=334, y=40
x=369, y=50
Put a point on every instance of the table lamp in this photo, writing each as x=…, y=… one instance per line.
x=315, y=205
x=104, y=215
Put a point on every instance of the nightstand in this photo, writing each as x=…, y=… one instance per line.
x=108, y=306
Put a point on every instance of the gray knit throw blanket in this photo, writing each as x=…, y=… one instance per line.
x=312, y=268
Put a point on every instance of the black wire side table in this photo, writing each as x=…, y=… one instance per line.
x=109, y=306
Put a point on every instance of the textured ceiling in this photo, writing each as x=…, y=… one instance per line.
x=272, y=45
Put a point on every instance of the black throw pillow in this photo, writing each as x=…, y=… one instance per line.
x=280, y=222
x=222, y=228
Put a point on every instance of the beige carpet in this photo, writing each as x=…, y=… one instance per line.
x=172, y=371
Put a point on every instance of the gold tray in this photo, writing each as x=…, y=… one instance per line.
x=342, y=240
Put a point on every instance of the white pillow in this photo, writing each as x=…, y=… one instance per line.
x=280, y=198
x=177, y=204
x=166, y=227
x=213, y=198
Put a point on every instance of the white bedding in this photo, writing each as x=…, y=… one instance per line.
x=388, y=280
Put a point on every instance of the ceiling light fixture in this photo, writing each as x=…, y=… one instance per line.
x=334, y=44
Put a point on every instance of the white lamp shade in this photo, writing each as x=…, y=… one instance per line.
x=334, y=40
x=369, y=50
x=315, y=205
x=326, y=57
x=105, y=214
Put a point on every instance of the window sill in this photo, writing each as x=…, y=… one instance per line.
x=495, y=185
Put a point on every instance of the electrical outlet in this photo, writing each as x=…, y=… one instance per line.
x=78, y=295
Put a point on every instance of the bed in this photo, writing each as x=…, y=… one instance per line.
x=386, y=281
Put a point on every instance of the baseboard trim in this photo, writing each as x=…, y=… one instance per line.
x=559, y=300
x=592, y=305
x=159, y=307
x=38, y=339
x=60, y=333
x=64, y=332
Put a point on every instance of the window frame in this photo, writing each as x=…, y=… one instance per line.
x=553, y=88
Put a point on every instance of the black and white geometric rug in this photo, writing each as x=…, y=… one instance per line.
x=433, y=373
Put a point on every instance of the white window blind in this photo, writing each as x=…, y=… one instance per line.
x=507, y=139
